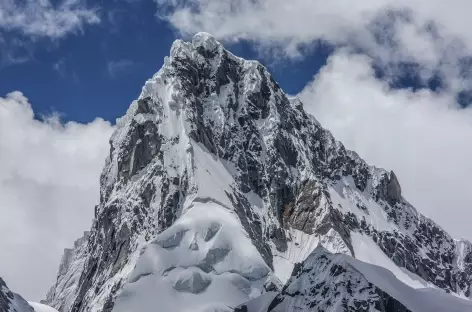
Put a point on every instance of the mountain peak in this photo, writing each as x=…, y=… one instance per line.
x=205, y=41
x=202, y=45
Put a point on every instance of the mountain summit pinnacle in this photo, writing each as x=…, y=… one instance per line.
x=206, y=41
x=218, y=188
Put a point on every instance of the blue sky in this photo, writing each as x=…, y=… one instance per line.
x=391, y=79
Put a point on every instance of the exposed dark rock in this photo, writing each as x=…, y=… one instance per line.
x=389, y=189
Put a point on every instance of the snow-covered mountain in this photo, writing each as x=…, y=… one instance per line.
x=11, y=302
x=218, y=184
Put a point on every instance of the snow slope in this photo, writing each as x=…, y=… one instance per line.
x=417, y=300
x=366, y=250
x=330, y=283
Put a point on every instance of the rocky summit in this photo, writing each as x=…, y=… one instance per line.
x=221, y=193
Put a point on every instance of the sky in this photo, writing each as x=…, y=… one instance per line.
x=391, y=79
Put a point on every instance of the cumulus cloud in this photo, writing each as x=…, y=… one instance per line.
x=42, y=18
x=423, y=136
x=48, y=188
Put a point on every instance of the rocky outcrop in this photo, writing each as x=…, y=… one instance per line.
x=312, y=212
x=389, y=189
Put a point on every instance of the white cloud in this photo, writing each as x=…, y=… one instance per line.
x=423, y=136
x=63, y=68
x=117, y=68
x=41, y=18
x=13, y=51
x=48, y=188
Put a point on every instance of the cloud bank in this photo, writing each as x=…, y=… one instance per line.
x=48, y=188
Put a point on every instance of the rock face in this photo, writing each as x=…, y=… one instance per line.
x=11, y=302
x=214, y=133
